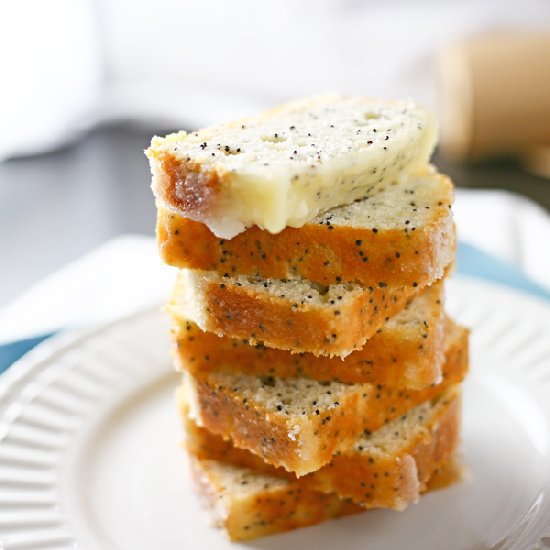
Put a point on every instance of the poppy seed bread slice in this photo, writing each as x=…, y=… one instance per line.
x=386, y=469
x=399, y=233
x=406, y=352
x=249, y=504
x=380, y=463
x=299, y=423
x=295, y=315
x=296, y=423
x=285, y=166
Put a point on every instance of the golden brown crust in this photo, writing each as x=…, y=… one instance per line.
x=392, y=481
x=241, y=312
x=294, y=508
x=457, y=354
x=273, y=510
x=437, y=448
x=301, y=447
x=269, y=512
x=317, y=252
x=373, y=480
x=184, y=186
x=413, y=364
x=396, y=356
x=203, y=444
x=388, y=482
x=252, y=427
x=449, y=472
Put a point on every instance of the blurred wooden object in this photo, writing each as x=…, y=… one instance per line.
x=537, y=161
x=495, y=95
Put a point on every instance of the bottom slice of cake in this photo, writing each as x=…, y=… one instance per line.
x=248, y=504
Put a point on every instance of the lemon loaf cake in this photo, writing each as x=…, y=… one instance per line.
x=285, y=166
x=399, y=233
x=295, y=315
x=249, y=504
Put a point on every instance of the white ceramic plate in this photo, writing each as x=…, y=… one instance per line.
x=90, y=457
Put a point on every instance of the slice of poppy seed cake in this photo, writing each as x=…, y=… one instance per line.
x=285, y=166
x=295, y=315
x=249, y=504
x=401, y=233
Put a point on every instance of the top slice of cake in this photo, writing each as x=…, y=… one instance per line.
x=285, y=166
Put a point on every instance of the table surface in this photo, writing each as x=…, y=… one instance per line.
x=57, y=206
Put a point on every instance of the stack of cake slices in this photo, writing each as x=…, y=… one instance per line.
x=321, y=374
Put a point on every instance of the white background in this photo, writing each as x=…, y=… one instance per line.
x=68, y=63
